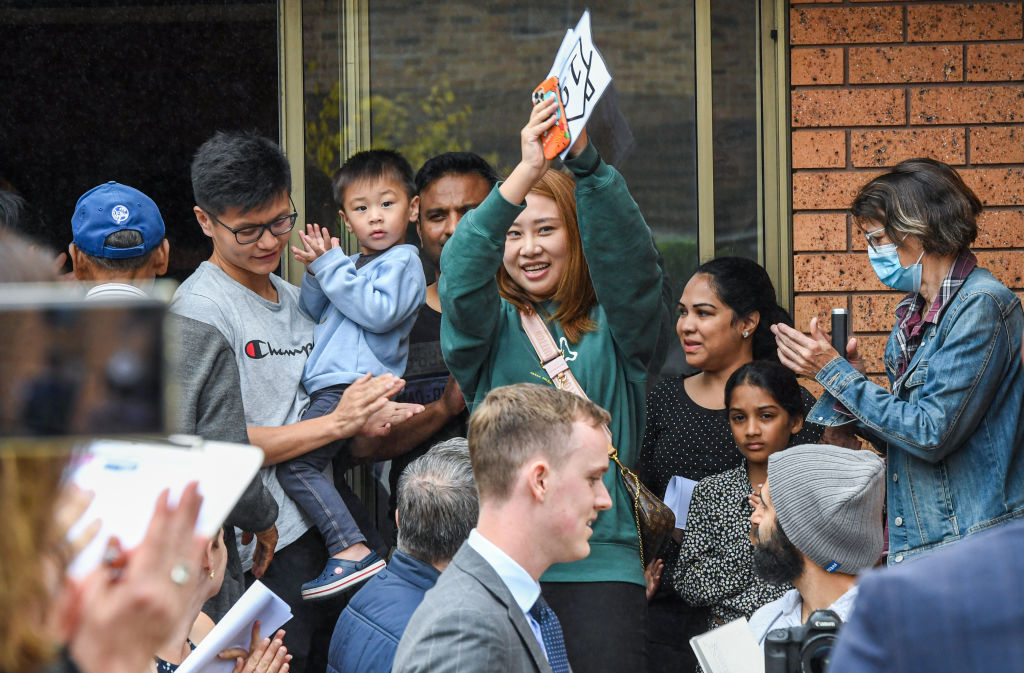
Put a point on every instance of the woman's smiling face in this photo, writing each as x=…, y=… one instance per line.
x=537, y=248
x=711, y=338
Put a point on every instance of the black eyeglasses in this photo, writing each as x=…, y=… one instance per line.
x=254, y=232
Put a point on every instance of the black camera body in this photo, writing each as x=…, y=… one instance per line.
x=802, y=649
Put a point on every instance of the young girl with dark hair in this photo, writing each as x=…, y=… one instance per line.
x=580, y=256
x=715, y=567
x=725, y=313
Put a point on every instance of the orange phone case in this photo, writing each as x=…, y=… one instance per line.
x=556, y=139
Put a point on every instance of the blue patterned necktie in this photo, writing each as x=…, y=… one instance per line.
x=551, y=634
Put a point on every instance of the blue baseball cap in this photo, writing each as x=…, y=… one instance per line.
x=110, y=208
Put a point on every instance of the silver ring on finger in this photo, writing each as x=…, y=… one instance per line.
x=180, y=573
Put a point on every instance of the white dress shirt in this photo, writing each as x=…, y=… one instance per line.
x=524, y=589
x=788, y=611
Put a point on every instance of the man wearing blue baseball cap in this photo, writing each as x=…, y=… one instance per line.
x=118, y=240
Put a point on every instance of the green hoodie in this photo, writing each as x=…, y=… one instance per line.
x=485, y=346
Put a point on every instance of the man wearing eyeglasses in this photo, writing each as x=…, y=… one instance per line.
x=242, y=188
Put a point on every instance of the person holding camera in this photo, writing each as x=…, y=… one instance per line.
x=816, y=523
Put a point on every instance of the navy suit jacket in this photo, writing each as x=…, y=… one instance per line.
x=958, y=609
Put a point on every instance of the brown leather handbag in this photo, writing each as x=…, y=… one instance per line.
x=654, y=519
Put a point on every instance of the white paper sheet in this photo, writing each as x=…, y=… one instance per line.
x=678, y=496
x=127, y=477
x=729, y=649
x=235, y=629
x=582, y=76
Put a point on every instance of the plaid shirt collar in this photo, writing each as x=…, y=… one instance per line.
x=909, y=323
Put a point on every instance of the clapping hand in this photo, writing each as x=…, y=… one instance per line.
x=265, y=655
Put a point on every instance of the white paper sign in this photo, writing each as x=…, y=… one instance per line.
x=127, y=477
x=678, y=496
x=582, y=76
x=235, y=629
x=729, y=649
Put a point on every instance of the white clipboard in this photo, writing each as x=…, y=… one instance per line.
x=128, y=476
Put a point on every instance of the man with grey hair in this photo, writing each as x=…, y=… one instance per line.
x=817, y=523
x=437, y=507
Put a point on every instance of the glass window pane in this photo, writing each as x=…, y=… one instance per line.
x=322, y=42
x=458, y=75
x=734, y=73
x=127, y=90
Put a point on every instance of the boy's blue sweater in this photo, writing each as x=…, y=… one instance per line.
x=363, y=316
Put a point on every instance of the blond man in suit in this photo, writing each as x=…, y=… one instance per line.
x=538, y=457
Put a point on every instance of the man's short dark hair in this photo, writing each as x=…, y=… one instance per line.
x=455, y=163
x=437, y=502
x=126, y=238
x=372, y=165
x=19, y=215
x=239, y=170
x=13, y=209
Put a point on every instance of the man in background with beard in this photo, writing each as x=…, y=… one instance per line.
x=818, y=523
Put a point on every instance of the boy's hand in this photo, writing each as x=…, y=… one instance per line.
x=316, y=240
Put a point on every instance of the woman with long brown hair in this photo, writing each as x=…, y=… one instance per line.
x=579, y=255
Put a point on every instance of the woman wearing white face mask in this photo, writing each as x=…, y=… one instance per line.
x=952, y=425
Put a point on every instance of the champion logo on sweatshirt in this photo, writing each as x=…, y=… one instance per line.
x=257, y=350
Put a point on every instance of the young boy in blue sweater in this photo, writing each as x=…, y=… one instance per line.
x=365, y=306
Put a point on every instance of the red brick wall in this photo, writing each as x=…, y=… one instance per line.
x=875, y=83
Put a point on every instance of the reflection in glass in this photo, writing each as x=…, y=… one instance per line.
x=458, y=75
x=127, y=90
x=734, y=72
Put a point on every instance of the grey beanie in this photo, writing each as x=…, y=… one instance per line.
x=829, y=503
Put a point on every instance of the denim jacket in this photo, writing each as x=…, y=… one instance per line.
x=953, y=423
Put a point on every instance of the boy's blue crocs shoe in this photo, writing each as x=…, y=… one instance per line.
x=340, y=575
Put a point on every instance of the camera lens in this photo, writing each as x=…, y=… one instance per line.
x=816, y=653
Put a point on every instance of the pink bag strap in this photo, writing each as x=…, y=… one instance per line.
x=551, y=358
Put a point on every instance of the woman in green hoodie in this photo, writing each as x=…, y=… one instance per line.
x=582, y=257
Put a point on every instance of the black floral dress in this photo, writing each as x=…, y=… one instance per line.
x=715, y=565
